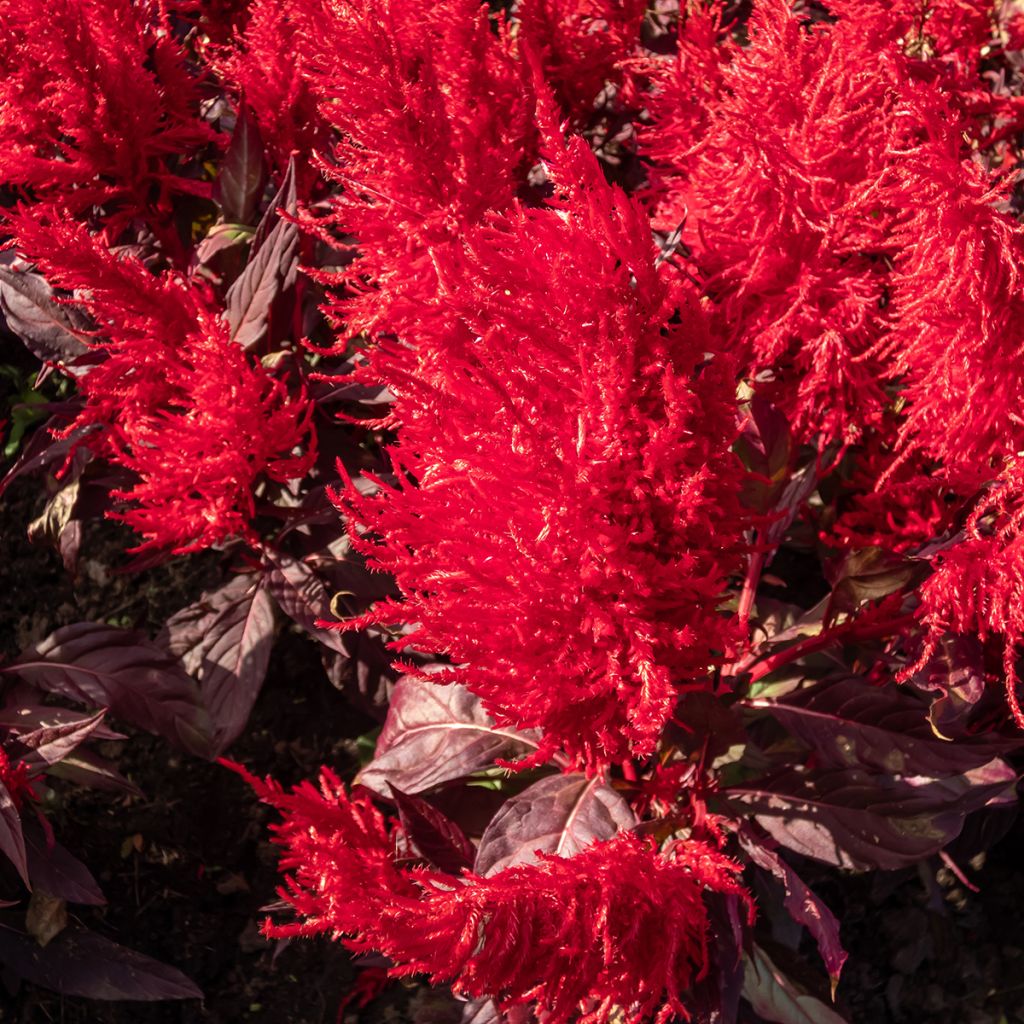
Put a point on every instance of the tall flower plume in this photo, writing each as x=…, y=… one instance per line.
x=572, y=522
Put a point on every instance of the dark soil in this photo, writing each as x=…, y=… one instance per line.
x=187, y=869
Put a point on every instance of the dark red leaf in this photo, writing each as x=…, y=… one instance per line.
x=870, y=574
x=272, y=268
x=243, y=175
x=302, y=596
x=559, y=815
x=84, y=768
x=79, y=962
x=225, y=640
x=850, y=722
x=12, y=839
x=863, y=820
x=58, y=871
x=52, y=743
x=778, y=998
x=801, y=903
x=436, y=733
x=433, y=833
x=51, y=331
x=104, y=666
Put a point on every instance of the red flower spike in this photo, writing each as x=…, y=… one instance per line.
x=617, y=929
x=575, y=518
x=176, y=400
x=435, y=117
x=266, y=66
x=99, y=107
x=580, y=44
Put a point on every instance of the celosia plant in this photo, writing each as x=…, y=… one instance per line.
x=690, y=515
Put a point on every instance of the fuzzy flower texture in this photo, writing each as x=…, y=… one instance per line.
x=619, y=925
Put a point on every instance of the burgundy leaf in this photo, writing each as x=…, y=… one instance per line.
x=58, y=871
x=302, y=596
x=56, y=514
x=801, y=903
x=272, y=268
x=79, y=962
x=872, y=573
x=44, y=450
x=433, y=833
x=243, y=175
x=559, y=815
x=12, y=839
x=850, y=722
x=116, y=668
x=52, y=743
x=52, y=332
x=84, y=768
x=777, y=998
x=434, y=734
x=225, y=639
x=22, y=716
x=864, y=820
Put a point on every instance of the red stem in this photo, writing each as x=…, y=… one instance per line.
x=847, y=631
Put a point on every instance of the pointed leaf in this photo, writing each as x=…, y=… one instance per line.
x=777, y=998
x=302, y=596
x=84, y=768
x=433, y=833
x=436, y=733
x=271, y=269
x=116, y=668
x=12, y=839
x=52, y=332
x=863, y=820
x=801, y=903
x=58, y=871
x=559, y=815
x=79, y=962
x=243, y=172
x=53, y=743
x=225, y=639
x=851, y=722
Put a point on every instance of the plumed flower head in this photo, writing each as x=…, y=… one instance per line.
x=574, y=514
x=620, y=928
x=172, y=398
x=98, y=104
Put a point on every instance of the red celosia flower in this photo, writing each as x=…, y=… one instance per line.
x=98, y=105
x=265, y=68
x=580, y=44
x=434, y=114
x=771, y=156
x=177, y=401
x=617, y=932
x=575, y=514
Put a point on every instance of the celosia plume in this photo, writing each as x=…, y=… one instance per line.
x=573, y=521
x=97, y=106
x=174, y=400
x=618, y=932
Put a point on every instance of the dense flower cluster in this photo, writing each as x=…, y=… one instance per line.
x=571, y=528
x=596, y=417
x=174, y=399
x=98, y=106
x=617, y=928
